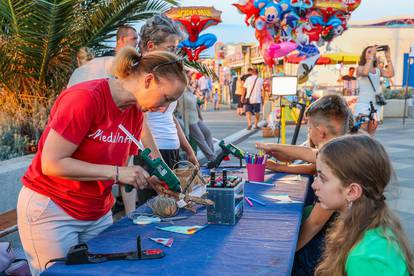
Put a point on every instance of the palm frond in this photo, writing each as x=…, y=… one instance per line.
x=11, y=13
x=47, y=33
x=104, y=20
x=202, y=68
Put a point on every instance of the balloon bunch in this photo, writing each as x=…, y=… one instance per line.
x=194, y=20
x=283, y=26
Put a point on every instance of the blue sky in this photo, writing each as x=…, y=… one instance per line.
x=234, y=30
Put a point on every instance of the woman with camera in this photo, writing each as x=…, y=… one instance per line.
x=369, y=79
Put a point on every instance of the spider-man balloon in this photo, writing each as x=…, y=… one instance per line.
x=194, y=20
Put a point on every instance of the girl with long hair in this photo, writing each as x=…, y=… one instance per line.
x=366, y=239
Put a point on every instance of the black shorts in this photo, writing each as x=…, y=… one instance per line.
x=253, y=108
x=237, y=99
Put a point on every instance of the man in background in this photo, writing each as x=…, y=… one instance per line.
x=349, y=82
x=252, y=98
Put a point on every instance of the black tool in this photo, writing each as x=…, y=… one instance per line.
x=302, y=107
x=362, y=118
x=383, y=48
x=226, y=150
x=224, y=178
x=212, y=178
x=79, y=254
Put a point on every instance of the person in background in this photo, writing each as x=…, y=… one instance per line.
x=205, y=86
x=216, y=99
x=193, y=122
x=369, y=78
x=84, y=55
x=252, y=98
x=161, y=33
x=100, y=67
x=66, y=198
x=238, y=93
x=349, y=82
x=366, y=238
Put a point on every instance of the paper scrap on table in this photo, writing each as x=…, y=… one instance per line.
x=163, y=241
x=143, y=220
x=187, y=230
x=282, y=198
x=297, y=177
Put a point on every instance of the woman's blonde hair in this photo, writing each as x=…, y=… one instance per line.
x=161, y=63
x=84, y=55
x=363, y=160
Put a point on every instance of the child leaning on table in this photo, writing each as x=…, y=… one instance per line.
x=328, y=117
x=366, y=238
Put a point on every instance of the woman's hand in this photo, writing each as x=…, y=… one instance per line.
x=193, y=158
x=134, y=175
x=387, y=54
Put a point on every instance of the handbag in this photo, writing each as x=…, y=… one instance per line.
x=247, y=100
x=379, y=98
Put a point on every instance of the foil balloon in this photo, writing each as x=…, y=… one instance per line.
x=281, y=25
x=249, y=10
x=193, y=21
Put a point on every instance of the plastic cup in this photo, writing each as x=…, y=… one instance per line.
x=256, y=172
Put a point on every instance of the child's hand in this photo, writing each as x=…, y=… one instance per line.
x=270, y=164
x=263, y=146
x=274, y=166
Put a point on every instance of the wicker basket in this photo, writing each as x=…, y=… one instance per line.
x=184, y=175
x=269, y=132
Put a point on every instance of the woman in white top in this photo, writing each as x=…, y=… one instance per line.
x=162, y=34
x=369, y=75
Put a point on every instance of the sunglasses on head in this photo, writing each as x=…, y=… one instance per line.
x=179, y=62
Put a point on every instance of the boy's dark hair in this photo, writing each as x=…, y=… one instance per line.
x=331, y=111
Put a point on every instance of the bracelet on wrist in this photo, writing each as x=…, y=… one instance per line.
x=117, y=175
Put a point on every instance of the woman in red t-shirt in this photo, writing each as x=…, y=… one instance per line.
x=66, y=198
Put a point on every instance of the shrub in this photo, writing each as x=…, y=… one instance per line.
x=398, y=93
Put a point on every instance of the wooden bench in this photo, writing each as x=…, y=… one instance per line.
x=8, y=222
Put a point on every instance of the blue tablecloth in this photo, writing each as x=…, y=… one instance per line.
x=263, y=242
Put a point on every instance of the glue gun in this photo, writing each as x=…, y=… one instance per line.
x=226, y=150
x=160, y=169
x=155, y=167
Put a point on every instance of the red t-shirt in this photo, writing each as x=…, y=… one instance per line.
x=86, y=115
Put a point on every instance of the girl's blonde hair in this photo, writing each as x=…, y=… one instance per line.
x=161, y=63
x=363, y=160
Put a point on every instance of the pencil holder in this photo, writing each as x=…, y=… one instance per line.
x=256, y=172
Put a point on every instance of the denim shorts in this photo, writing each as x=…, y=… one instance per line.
x=253, y=108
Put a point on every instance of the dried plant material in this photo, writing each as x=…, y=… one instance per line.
x=199, y=200
x=190, y=178
x=163, y=206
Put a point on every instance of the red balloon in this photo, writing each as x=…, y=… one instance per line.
x=249, y=10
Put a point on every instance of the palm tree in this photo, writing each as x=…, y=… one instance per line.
x=39, y=38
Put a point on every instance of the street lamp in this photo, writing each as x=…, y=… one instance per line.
x=407, y=79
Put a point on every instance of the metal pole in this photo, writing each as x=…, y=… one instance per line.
x=407, y=79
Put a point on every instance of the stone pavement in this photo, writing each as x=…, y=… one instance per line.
x=396, y=138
